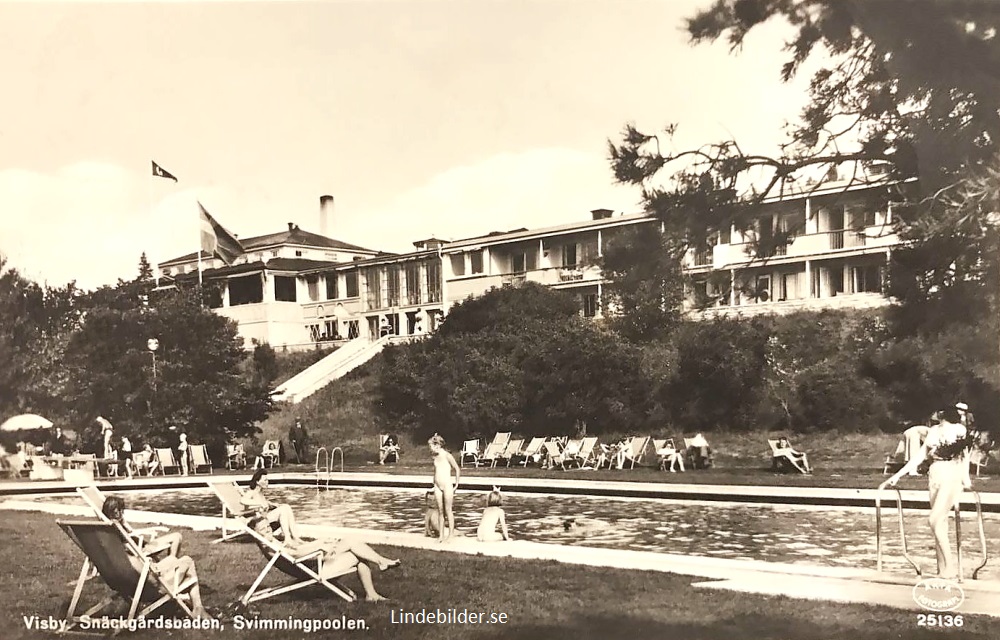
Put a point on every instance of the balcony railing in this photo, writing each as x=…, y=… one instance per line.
x=512, y=279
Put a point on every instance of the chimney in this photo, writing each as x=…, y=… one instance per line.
x=325, y=213
x=601, y=214
x=291, y=226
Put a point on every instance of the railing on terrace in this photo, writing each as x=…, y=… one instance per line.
x=513, y=279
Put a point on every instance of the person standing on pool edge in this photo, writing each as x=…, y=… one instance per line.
x=946, y=448
x=444, y=490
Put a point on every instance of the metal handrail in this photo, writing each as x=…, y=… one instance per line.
x=322, y=450
x=333, y=451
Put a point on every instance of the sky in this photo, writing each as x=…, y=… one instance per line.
x=443, y=118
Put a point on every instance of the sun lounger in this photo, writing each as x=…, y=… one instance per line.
x=236, y=456
x=234, y=514
x=386, y=452
x=199, y=458
x=108, y=549
x=492, y=454
x=470, y=449
x=305, y=571
x=529, y=452
x=501, y=438
x=782, y=459
x=166, y=460
x=635, y=450
x=271, y=453
x=95, y=498
x=513, y=449
x=668, y=453
x=554, y=454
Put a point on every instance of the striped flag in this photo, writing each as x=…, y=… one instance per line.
x=160, y=172
x=215, y=240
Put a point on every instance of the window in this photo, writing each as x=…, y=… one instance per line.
x=245, y=290
x=284, y=288
x=458, y=264
x=331, y=286
x=589, y=305
x=762, y=289
x=725, y=235
x=569, y=255
x=274, y=254
x=518, y=263
x=867, y=279
x=433, y=271
x=351, y=280
x=332, y=330
x=476, y=260
x=312, y=285
x=298, y=254
x=392, y=286
x=412, y=274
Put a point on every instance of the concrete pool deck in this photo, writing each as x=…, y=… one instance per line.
x=715, y=494
x=836, y=584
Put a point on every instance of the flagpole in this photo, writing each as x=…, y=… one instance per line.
x=149, y=217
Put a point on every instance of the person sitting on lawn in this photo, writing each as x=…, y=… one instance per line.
x=493, y=515
x=797, y=459
x=338, y=556
x=253, y=499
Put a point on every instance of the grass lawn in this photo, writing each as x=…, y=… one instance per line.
x=541, y=599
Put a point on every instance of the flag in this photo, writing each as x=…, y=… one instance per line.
x=160, y=172
x=215, y=240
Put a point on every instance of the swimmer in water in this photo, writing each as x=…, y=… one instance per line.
x=444, y=490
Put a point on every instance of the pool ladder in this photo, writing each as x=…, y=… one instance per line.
x=902, y=534
x=329, y=457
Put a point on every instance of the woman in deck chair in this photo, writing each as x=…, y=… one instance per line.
x=338, y=556
x=169, y=566
x=114, y=510
x=797, y=459
x=253, y=499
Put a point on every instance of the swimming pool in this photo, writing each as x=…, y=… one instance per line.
x=829, y=536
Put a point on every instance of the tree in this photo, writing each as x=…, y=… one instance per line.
x=915, y=87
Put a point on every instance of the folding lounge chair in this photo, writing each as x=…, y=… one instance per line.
x=502, y=438
x=555, y=456
x=493, y=453
x=140, y=461
x=271, y=453
x=199, y=458
x=780, y=460
x=167, y=461
x=304, y=569
x=236, y=456
x=534, y=448
x=696, y=461
x=230, y=495
x=513, y=449
x=893, y=461
x=635, y=451
x=470, y=449
x=587, y=456
x=109, y=550
x=95, y=500
x=390, y=452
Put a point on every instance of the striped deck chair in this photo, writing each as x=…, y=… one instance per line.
x=114, y=555
x=470, y=449
x=95, y=498
x=493, y=453
x=513, y=449
x=304, y=569
x=637, y=447
x=199, y=458
x=533, y=448
x=167, y=461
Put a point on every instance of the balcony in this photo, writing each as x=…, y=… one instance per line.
x=513, y=279
x=808, y=245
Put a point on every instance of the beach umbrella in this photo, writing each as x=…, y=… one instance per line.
x=25, y=422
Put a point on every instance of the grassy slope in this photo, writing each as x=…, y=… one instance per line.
x=541, y=599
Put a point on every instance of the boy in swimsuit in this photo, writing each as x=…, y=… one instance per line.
x=444, y=490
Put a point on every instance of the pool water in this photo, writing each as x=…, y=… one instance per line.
x=832, y=537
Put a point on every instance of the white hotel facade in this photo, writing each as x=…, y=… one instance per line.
x=297, y=289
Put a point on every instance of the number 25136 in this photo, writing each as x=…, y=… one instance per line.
x=939, y=620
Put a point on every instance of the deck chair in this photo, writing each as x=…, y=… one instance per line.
x=199, y=458
x=234, y=514
x=391, y=451
x=779, y=461
x=493, y=453
x=512, y=450
x=586, y=457
x=635, y=451
x=554, y=454
x=95, y=498
x=236, y=456
x=111, y=552
x=533, y=448
x=470, y=449
x=502, y=437
x=167, y=461
x=693, y=456
x=979, y=459
x=893, y=461
x=271, y=453
x=140, y=461
x=303, y=569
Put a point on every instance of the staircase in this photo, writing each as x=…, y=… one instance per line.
x=345, y=359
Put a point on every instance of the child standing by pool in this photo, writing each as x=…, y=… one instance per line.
x=444, y=490
x=492, y=516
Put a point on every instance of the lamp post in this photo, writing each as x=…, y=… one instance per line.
x=153, y=344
